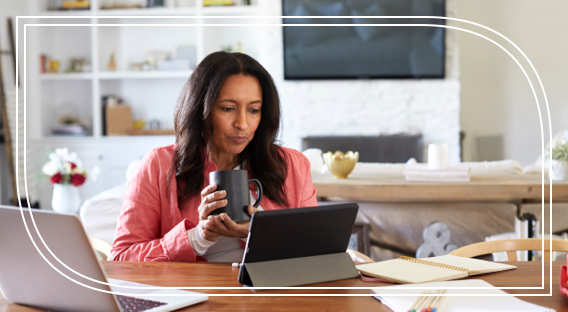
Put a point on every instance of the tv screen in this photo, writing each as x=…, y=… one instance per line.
x=350, y=52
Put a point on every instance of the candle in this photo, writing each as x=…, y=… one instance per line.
x=438, y=155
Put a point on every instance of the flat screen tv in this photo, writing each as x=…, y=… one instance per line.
x=352, y=52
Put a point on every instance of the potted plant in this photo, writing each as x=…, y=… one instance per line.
x=65, y=173
x=559, y=164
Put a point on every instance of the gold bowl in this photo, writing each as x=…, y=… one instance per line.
x=339, y=164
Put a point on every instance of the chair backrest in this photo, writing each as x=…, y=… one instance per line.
x=511, y=246
x=101, y=247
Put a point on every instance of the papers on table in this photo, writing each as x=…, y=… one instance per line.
x=421, y=173
x=477, y=303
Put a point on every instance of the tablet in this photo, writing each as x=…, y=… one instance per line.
x=298, y=233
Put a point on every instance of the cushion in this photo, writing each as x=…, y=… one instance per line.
x=100, y=213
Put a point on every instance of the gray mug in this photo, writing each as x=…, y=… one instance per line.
x=236, y=184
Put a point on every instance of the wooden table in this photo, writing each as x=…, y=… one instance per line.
x=528, y=274
x=390, y=188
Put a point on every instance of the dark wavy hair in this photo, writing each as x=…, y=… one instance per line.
x=264, y=160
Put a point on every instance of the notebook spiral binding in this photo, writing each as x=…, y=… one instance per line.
x=432, y=263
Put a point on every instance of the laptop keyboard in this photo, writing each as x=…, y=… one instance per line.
x=131, y=304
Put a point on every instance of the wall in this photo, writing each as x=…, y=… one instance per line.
x=7, y=9
x=496, y=98
x=367, y=107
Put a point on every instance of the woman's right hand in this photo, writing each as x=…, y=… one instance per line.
x=211, y=200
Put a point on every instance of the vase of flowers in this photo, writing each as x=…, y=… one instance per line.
x=66, y=174
x=559, y=164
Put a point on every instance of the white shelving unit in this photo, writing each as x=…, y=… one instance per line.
x=155, y=74
x=151, y=94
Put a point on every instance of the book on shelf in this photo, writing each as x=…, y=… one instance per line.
x=407, y=270
x=69, y=129
x=75, y=5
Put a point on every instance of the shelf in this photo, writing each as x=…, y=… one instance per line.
x=209, y=11
x=230, y=10
x=148, y=12
x=155, y=74
x=66, y=13
x=66, y=76
x=185, y=11
x=152, y=132
x=53, y=140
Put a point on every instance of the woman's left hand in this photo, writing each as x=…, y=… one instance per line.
x=223, y=225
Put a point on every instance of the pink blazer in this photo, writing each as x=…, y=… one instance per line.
x=152, y=228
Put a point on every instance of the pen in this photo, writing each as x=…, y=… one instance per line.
x=417, y=304
x=438, y=301
x=427, y=303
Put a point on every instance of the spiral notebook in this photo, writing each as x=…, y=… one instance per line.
x=407, y=270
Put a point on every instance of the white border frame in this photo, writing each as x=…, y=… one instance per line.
x=286, y=25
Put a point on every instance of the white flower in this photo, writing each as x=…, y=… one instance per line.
x=62, y=153
x=50, y=168
x=74, y=159
x=61, y=161
x=54, y=158
x=77, y=170
x=67, y=167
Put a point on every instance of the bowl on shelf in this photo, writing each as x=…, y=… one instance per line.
x=339, y=164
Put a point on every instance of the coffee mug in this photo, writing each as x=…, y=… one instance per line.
x=236, y=184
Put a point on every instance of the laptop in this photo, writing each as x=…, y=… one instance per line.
x=293, y=247
x=27, y=278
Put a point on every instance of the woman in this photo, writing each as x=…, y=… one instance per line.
x=227, y=117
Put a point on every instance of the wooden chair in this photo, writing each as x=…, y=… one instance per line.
x=511, y=246
x=101, y=247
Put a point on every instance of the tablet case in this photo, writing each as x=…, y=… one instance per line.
x=300, y=246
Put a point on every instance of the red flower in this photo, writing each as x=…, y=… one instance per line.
x=77, y=179
x=73, y=166
x=56, y=178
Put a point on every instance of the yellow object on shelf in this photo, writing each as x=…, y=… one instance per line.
x=138, y=124
x=339, y=164
x=53, y=66
x=217, y=2
x=79, y=4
